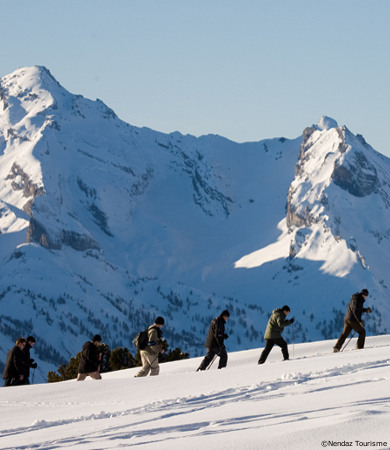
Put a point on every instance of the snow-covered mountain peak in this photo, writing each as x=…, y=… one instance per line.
x=103, y=225
x=29, y=90
x=325, y=123
x=337, y=176
x=31, y=78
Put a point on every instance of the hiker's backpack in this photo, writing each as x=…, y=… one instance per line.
x=141, y=340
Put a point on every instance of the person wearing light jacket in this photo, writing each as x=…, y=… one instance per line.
x=273, y=333
x=149, y=355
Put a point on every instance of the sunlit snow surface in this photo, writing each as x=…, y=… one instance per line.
x=306, y=403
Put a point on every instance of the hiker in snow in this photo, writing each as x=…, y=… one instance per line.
x=28, y=362
x=149, y=355
x=273, y=333
x=353, y=320
x=14, y=365
x=215, y=342
x=90, y=360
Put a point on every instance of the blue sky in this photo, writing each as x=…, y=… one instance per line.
x=245, y=69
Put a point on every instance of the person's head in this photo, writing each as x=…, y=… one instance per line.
x=96, y=340
x=286, y=309
x=159, y=322
x=225, y=314
x=31, y=341
x=21, y=342
x=364, y=292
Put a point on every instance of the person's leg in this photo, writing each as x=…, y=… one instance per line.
x=223, y=357
x=347, y=329
x=207, y=359
x=95, y=375
x=81, y=376
x=283, y=345
x=8, y=381
x=269, y=343
x=145, y=365
x=362, y=334
x=154, y=366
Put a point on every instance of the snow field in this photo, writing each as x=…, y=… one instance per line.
x=315, y=400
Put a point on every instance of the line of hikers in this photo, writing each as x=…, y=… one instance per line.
x=17, y=368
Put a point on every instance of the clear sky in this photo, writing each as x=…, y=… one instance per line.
x=245, y=69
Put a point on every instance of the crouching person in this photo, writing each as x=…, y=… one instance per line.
x=149, y=355
x=90, y=360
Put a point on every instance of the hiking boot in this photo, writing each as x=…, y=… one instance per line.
x=336, y=350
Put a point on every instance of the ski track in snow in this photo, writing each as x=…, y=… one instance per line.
x=187, y=407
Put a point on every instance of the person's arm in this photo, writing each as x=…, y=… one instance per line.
x=153, y=341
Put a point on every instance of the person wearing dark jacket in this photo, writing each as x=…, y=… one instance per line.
x=90, y=360
x=353, y=320
x=149, y=355
x=273, y=333
x=215, y=342
x=14, y=365
x=28, y=362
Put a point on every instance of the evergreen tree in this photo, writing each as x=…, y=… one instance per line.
x=65, y=372
x=105, y=361
x=121, y=358
x=118, y=359
x=174, y=355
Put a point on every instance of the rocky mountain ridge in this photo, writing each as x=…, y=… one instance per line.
x=104, y=225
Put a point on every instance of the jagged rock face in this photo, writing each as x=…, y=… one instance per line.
x=22, y=182
x=357, y=177
x=38, y=234
x=349, y=169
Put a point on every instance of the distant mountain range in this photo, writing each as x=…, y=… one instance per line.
x=104, y=225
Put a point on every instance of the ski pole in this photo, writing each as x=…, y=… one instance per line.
x=32, y=379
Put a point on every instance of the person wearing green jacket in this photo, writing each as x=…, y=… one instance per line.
x=273, y=334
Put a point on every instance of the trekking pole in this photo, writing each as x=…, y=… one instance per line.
x=32, y=379
x=362, y=324
x=292, y=338
x=349, y=340
x=211, y=362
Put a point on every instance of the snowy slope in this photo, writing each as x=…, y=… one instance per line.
x=316, y=400
x=104, y=225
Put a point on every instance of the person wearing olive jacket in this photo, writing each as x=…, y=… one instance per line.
x=273, y=333
x=149, y=355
